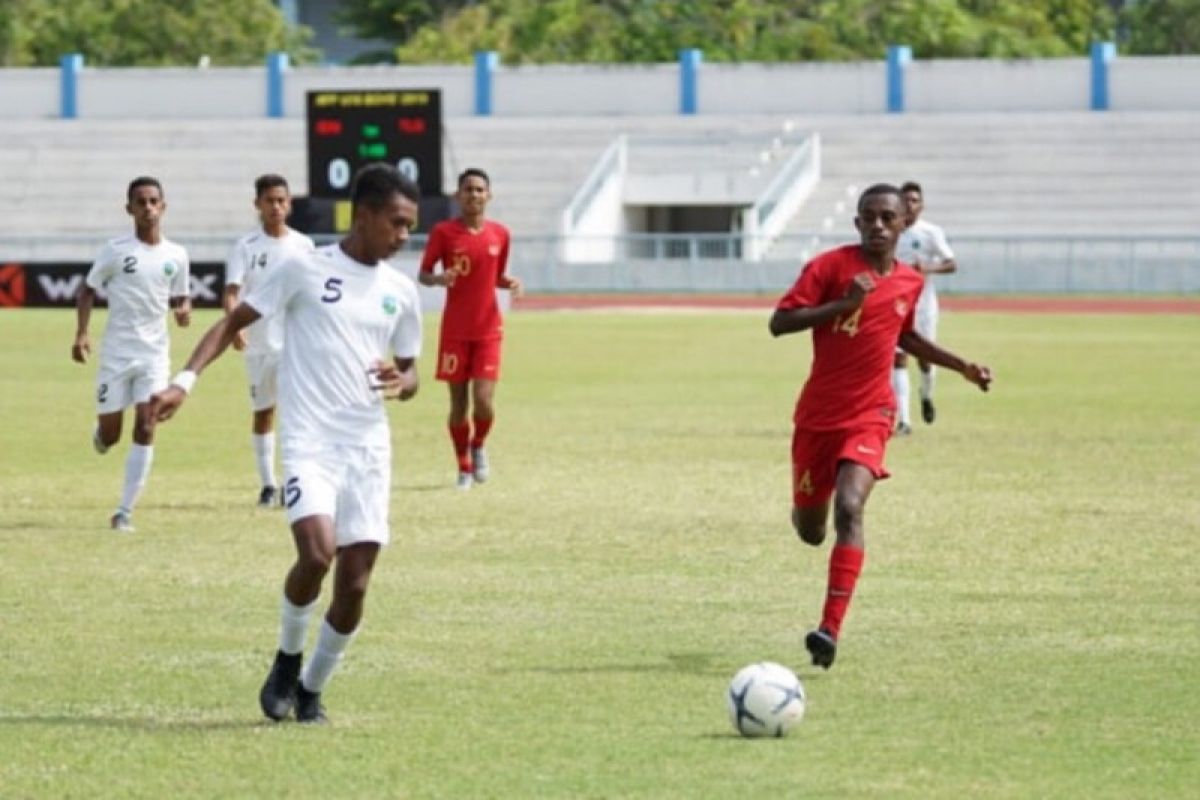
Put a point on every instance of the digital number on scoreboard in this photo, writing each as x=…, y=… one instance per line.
x=350, y=128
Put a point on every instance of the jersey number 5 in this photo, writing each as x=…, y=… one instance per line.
x=333, y=291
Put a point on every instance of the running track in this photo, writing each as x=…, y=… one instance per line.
x=1032, y=305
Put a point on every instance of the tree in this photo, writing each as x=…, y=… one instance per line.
x=147, y=32
x=1162, y=27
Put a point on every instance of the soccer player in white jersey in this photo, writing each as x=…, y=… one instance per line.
x=253, y=257
x=924, y=246
x=141, y=275
x=343, y=309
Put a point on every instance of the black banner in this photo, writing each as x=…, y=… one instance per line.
x=57, y=285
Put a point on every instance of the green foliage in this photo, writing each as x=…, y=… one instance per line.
x=147, y=32
x=1162, y=27
x=745, y=30
x=1025, y=626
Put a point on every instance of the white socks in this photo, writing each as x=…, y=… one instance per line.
x=137, y=469
x=325, y=658
x=900, y=387
x=927, y=384
x=293, y=625
x=264, y=457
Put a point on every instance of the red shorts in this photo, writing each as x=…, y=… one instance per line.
x=461, y=360
x=817, y=454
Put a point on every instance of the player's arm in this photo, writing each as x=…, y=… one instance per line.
x=215, y=341
x=943, y=266
x=795, y=320
x=229, y=301
x=917, y=345
x=398, y=380
x=82, y=346
x=430, y=258
x=182, y=306
x=504, y=280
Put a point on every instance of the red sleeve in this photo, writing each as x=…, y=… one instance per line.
x=502, y=261
x=809, y=289
x=433, y=249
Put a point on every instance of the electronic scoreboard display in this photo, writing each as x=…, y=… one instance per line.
x=350, y=128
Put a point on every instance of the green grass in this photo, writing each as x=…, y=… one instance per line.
x=1028, y=623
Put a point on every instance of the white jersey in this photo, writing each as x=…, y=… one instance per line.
x=339, y=318
x=924, y=244
x=252, y=258
x=138, y=280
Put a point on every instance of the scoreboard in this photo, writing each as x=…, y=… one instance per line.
x=350, y=128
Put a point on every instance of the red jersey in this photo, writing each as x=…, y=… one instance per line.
x=480, y=258
x=850, y=380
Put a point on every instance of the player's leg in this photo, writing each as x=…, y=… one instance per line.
x=927, y=320
x=140, y=457
x=901, y=389
x=812, y=484
x=362, y=528
x=107, y=431
x=452, y=368
x=113, y=395
x=261, y=372
x=483, y=414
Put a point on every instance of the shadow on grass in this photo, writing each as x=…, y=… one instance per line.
x=693, y=663
x=149, y=724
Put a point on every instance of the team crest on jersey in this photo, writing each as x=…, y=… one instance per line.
x=901, y=306
x=169, y=268
x=389, y=304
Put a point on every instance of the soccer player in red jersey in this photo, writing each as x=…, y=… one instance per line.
x=473, y=253
x=859, y=302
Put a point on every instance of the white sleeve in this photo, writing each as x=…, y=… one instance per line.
x=103, y=267
x=235, y=265
x=406, y=338
x=940, y=248
x=181, y=284
x=273, y=292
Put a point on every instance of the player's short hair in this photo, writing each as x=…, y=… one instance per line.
x=911, y=186
x=375, y=184
x=265, y=183
x=473, y=172
x=877, y=189
x=140, y=181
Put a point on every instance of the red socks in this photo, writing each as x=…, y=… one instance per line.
x=845, y=564
x=482, y=426
x=461, y=436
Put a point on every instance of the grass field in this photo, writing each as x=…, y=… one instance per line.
x=1028, y=623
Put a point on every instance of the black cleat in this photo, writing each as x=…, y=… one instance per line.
x=822, y=646
x=903, y=429
x=267, y=497
x=278, y=693
x=309, y=710
x=928, y=412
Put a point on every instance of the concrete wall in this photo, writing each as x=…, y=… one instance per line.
x=943, y=86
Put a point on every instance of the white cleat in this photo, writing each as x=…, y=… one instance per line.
x=97, y=442
x=121, y=522
x=464, y=482
x=480, y=460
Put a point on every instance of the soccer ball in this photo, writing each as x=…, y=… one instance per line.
x=765, y=699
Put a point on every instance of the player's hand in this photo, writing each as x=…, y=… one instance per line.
x=979, y=375
x=183, y=316
x=395, y=385
x=239, y=340
x=862, y=285
x=515, y=287
x=81, y=349
x=448, y=277
x=164, y=404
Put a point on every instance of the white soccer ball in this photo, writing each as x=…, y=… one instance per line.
x=765, y=699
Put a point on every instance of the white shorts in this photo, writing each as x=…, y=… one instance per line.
x=351, y=484
x=122, y=384
x=262, y=371
x=926, y=321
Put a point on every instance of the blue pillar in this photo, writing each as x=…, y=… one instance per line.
x=277, y=65
x=898, y=57
x=485, y=67
x=1102, y=54
x=69, y=67
x=689, y=80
